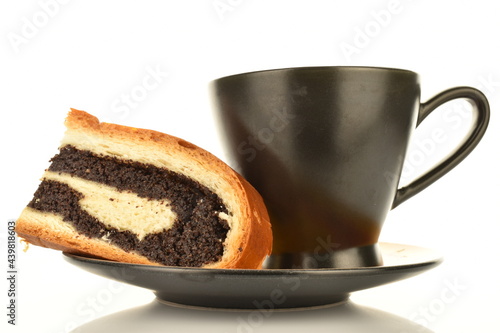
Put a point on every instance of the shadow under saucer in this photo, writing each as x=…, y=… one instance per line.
x=159, y=316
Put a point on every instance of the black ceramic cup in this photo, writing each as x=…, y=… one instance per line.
x=325, y=147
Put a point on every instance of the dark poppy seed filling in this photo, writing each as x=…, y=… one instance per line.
x=197, y=235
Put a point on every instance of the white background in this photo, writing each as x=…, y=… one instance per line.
x=90, y=54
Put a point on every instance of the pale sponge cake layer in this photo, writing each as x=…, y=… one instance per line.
x=117, y=209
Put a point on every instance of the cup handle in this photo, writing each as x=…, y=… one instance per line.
x=481, y=113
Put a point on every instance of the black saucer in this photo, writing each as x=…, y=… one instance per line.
x=266, y=288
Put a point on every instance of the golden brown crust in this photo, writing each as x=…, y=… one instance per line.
x=258, y=240
x=251, y=237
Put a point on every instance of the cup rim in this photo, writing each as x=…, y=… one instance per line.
x=308, y=68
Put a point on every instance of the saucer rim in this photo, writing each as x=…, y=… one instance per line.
x=247, y=288
x=434, y=258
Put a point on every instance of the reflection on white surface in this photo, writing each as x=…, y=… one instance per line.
x=345, y=317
